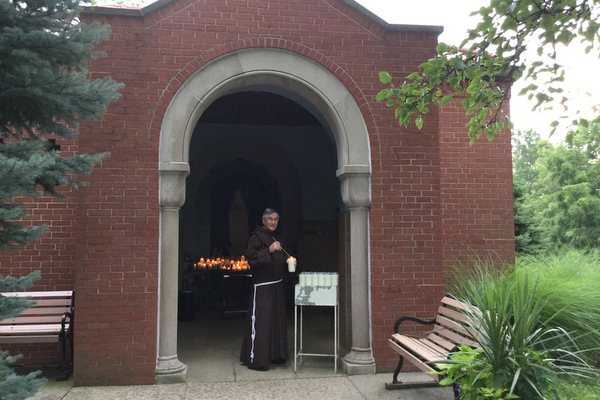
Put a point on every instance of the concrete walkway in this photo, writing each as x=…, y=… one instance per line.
x=357, y=387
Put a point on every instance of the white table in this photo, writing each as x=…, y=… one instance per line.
x=315, y=296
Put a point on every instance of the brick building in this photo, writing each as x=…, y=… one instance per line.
x=263, y=103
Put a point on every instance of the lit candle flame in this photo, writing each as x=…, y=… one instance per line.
x=222, y=264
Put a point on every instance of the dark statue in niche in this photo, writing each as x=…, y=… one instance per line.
x=238, y=225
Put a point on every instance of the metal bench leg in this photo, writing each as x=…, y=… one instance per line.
x=67, y=367
x=395, y=384
x=398, y=368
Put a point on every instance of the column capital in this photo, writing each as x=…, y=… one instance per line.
x=355, y=185
x=172, y=183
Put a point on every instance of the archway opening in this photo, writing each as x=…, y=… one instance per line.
x=318, y=90
x=249, y=150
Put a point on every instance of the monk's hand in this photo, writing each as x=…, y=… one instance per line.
x=275, y=246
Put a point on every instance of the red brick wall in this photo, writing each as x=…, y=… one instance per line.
x=476, y=181
x=405, y=229
x=117, y=271
x=114, y=244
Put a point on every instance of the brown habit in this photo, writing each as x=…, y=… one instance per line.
x=265, y=338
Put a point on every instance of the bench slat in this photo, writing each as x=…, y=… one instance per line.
x=31, y=329
x=457, y=304
x=45, y=311
x=33, y=320
x=441, y=341
x=29, y=339
x=438, y=345
x=453, y=314
x=417, y=347
x=53, y=302
x=455, y=338
x=424, y=348
x=63, y=293
x=460, y=330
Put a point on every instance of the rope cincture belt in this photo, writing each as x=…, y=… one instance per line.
x=256, y=285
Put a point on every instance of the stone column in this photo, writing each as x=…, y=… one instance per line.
x=172, y=177
x=356, y=194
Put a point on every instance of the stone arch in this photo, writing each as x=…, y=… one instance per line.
x=315, y=87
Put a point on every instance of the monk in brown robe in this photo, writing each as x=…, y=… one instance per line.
x=265, y=338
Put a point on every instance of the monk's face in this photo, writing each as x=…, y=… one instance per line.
x=270, y=221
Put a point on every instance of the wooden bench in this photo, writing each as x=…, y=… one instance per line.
x=50, y=320
x=448, y=332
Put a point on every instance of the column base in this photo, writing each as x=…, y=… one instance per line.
x=358, y=362
x=170, y=370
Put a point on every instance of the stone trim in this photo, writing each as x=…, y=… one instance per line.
x=307, y=82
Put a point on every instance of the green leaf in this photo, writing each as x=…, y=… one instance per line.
x=467, y=105
x=565, y=37
x=384, y=94
x=419, y=122
x=528, y=89
x=459, y=64
x=442, y=48
x=446, y=99
x=592, y=31
x=547, y=21
x=385, y=77
x=446, y=382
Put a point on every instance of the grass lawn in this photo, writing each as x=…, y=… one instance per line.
x=571, y=389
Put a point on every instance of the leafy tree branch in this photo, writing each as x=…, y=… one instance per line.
x=492, y=57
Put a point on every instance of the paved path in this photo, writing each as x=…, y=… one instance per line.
x=357, y=387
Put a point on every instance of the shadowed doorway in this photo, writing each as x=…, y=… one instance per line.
x=251, y=150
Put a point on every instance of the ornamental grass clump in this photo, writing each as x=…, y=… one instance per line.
x=521, y=349
x=568, y=280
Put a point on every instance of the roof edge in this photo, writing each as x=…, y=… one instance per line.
x=157, y=5
x=393, y=27
x=127, y=11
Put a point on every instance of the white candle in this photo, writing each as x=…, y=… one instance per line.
x=321, y=279
x=302, y=279
x=291, y=262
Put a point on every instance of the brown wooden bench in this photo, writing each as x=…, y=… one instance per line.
x=50, y=320
x=448, y=332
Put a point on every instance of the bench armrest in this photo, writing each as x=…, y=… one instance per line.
x=413, y=319
x=63, y=322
